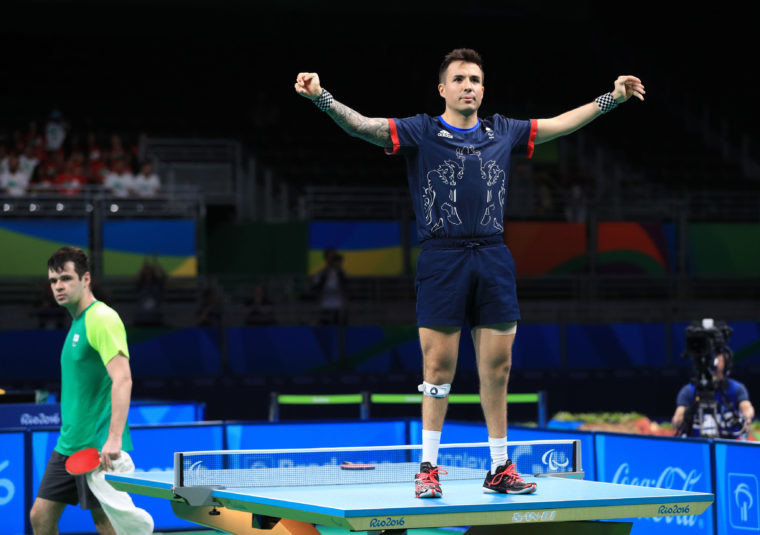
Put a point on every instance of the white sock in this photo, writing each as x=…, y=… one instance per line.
x=431, y=440
x=498, y=448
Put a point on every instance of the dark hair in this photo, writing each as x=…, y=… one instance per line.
x=69, y=254
x=459, y=54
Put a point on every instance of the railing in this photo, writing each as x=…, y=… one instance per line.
x=213, y=166
x=176, y=201
x=330, y=202
x=364, y=400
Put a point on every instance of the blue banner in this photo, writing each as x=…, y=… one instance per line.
x=315, y=435
x=190, y=352
x=273, y=350
x=663, y=463
x=616, y=345
x=737, y=483
x=12, y=488
x=165, y=413
x=35, y=415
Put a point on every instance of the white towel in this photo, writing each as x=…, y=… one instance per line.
x=118, y=506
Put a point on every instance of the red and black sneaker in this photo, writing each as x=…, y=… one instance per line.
x=506, y=480
x=426, y=483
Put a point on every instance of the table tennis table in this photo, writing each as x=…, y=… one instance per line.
x=270, y=500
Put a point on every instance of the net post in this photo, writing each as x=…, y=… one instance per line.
x=274, y=406
x=179, y=480
x=364, y=407
x=542, y=402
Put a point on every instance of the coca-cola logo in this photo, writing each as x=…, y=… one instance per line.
x=671, y=477
x=40, y=419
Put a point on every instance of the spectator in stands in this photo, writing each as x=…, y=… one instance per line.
x=55, y=132
x=28, y=160
x=14, y=181
x=210, y=309
x=260, y=308
x=575, y=209
x=3, y=157
x=151, y=281
x=330, y=284
x=77, y=159
x=117, y=148
x=146, y=182
x=545, y=201
x=120, y=181
x=53, y=166
x=96, y=165
x=72, y=180
x=34, y=138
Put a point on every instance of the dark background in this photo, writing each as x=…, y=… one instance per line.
x=226, y=69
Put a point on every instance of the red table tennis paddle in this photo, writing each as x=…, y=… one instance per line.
x=348, y=465
x=83, y=462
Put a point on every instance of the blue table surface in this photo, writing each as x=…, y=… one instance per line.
x=458, y=496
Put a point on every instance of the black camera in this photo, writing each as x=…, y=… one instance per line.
x=705, y=340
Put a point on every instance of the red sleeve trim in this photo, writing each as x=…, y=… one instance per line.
x=532, y=137
x=394, y=138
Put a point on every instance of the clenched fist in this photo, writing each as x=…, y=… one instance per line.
x=307, y=85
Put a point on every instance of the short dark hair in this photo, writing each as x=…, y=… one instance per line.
x=459, y=54
x=69, y=254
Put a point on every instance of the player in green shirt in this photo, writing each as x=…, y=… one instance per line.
x=96, y=386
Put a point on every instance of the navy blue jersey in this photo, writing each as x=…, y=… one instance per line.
x=458, y=178
x=727, y=397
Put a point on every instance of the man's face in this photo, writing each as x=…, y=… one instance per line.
x=462, y=88
x=720, y=365
x=67, y=286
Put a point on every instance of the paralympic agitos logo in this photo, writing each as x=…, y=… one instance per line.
x=556, y=461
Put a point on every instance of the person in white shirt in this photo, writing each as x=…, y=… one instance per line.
x=14, y=180
x=147, y=183
x=120, y=181
x=55, y=131
x=28, y=161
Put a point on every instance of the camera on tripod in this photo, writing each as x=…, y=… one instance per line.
x=706, y=341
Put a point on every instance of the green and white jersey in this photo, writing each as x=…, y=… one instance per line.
x=95, y=337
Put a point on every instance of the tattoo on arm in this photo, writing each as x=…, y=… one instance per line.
x=375, y=130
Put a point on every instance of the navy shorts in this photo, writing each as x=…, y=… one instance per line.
x=469, y=281
x=59, y=486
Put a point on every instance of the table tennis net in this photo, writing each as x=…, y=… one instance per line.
x=386, y=464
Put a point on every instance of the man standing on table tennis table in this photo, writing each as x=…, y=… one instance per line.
x=96, y=386
x=457, y=167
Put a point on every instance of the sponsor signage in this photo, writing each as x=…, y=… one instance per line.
x=737, y=483
x=534, y=516
x=49, y=414
x=387, y=523
x=30, y=415
x=664, y=463
x=12, y=487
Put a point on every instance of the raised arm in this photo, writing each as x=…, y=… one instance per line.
x=568, y=122
x=375, y=130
